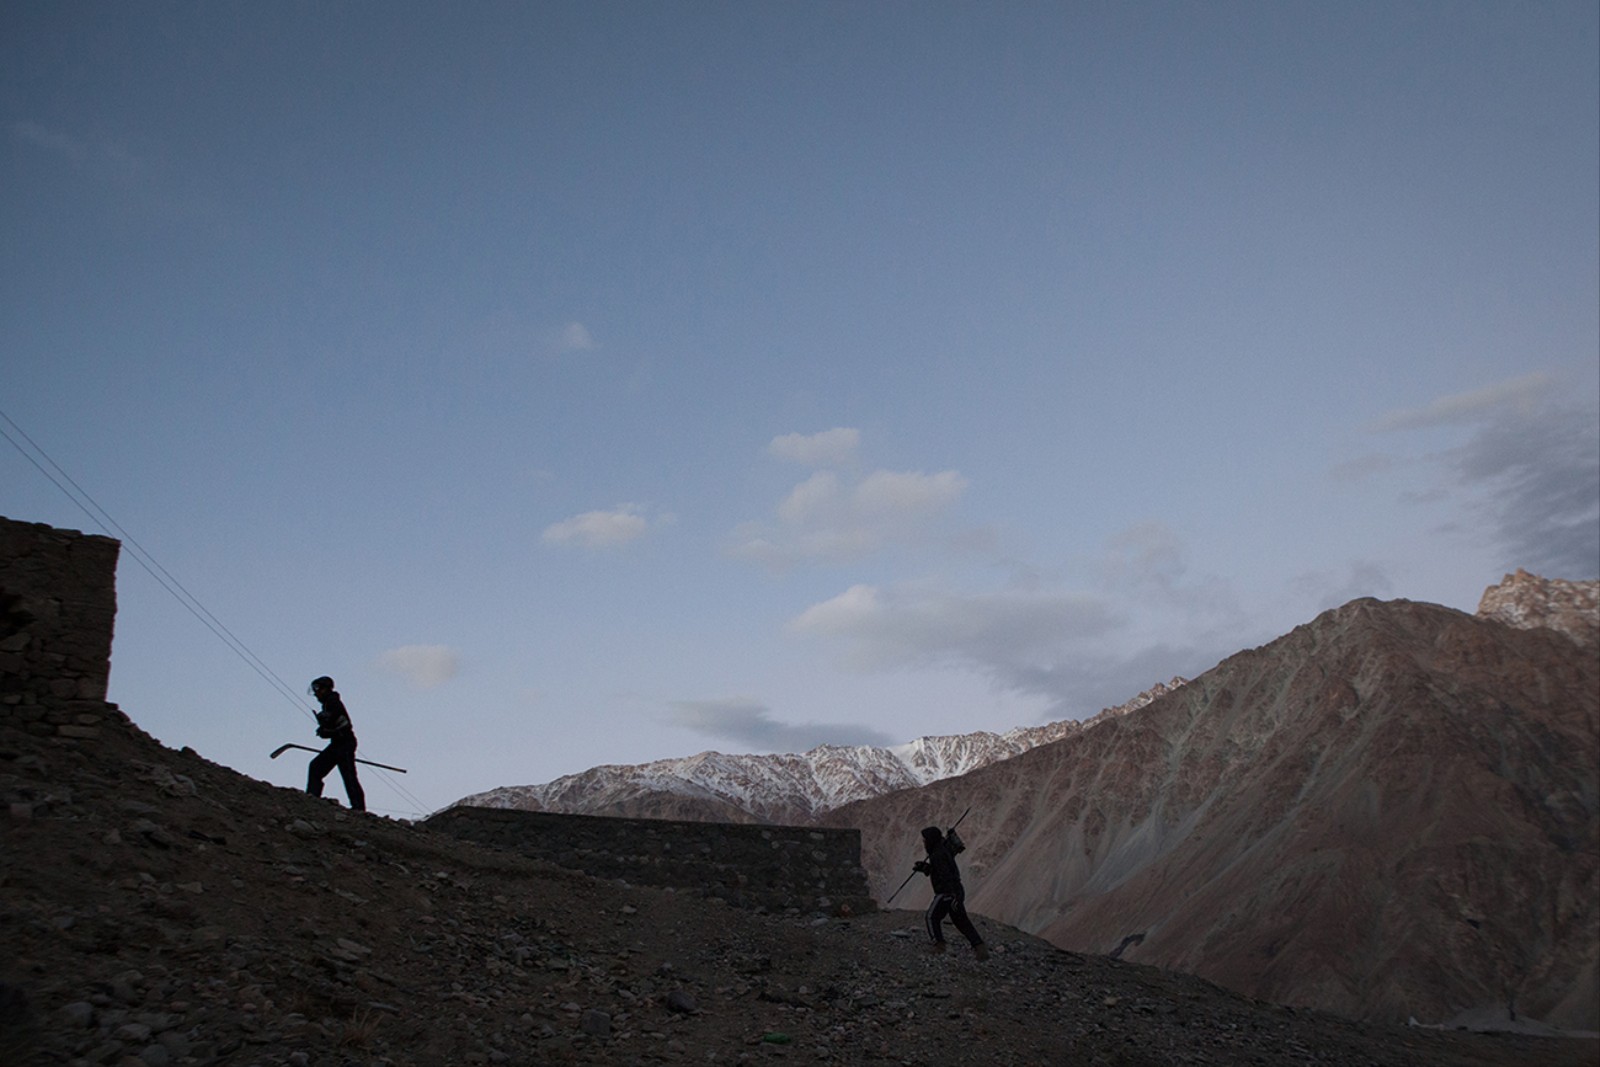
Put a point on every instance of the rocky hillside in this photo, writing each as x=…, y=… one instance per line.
x=158, y=910
x=1389, y=812
x=1530, y=602
x=782, y=788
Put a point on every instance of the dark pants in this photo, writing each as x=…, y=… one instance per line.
x=340, y=753
x=953, y=905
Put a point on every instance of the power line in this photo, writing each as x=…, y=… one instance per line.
x=164, y=578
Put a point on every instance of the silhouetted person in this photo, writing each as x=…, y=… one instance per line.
x=333, y=723
x=949, y=897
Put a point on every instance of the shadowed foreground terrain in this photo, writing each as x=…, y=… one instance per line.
x=158, y=910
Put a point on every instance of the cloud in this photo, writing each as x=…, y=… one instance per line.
x=61, y=144
x=575, y=337
x=101, y=151
x=1518, y=396
x=599, y=529
x=1528, y=473
x=910, y=627
x=901, y=494
x=1082, y=651
x=1537, y=479
x=750, y=724
x=834, y=518
x=830, y=448
x=423, y=666
x=1329, y=589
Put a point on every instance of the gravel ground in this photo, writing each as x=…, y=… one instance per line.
x=158, y=910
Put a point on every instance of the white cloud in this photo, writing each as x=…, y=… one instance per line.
x=750, y=724
x=817, y=499
x=575, y=337
x=830, y=448
x=829, y=517
x=903, y=493
x=599, y=529
x=423, y=666
x=908, y=627
x=1518, y=395
x=1083, y=651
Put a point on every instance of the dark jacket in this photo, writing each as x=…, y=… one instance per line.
x=333, y=722
x=940, y=866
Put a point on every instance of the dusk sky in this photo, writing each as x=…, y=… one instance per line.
x=585, y=383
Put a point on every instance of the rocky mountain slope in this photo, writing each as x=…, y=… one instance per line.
x=786, y=787
x=1530, y=602
x=1389, y=812
x=158, y=910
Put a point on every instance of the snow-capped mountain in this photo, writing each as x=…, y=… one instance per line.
x=785, y=787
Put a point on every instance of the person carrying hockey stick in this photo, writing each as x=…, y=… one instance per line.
x=333, y=723
x=949, y=897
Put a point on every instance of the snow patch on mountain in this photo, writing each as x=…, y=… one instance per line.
x=783, y=787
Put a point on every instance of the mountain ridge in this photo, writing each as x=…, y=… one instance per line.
x=784, y=787
x=1389, y=811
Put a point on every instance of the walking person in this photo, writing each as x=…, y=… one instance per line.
x=333, y=723
x=949, y=897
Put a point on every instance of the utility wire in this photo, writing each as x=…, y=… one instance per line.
x=100, y=517
x=142, y=557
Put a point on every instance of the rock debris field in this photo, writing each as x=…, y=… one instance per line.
x=159, y=910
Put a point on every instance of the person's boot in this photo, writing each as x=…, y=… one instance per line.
x=981, y=950
x=938, y=948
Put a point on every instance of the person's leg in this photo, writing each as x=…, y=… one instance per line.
x=935, y=917
x=958, y=915
x=321, y=764
x=352, y=785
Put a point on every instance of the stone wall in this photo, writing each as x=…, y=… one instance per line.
x=58, y=604
x=778, y=869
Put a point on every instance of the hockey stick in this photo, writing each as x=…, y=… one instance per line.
x=281, y=749
x=903, y=884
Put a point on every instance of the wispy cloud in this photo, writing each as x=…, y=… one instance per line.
x=830, y=448
x=1519, y=396
x=1330, y=588
x=80, y=150
x=599, y=529
x=575, y=337
x=1081, y=650
x=1539, y=477
x=1529, y=470
x=750, y=724
x=836, y=516
x=423, y=666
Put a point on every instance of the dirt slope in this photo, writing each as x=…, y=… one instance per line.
x=158, y=910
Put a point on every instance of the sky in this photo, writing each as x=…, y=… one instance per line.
x=585, y=383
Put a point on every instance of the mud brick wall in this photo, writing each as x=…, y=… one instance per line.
x=58, y=604
x=778, y=869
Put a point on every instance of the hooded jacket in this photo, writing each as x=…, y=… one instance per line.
x=940, y=866
x=333, y=721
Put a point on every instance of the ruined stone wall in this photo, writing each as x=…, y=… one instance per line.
x=58, y=604
x=779, y=869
